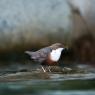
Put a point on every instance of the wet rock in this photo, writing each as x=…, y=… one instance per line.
x=55, y=69
x=24, y=76
x=29, y=72
x=66, y=70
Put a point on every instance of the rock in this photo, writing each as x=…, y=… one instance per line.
x=33, y=23
x=24, y=76
x=55, y=69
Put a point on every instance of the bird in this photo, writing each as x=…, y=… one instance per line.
x=48, y=55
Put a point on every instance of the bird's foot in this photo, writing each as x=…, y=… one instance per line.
x=43, y=69
x=49, y=69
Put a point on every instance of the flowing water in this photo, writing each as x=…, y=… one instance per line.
x=58, y=84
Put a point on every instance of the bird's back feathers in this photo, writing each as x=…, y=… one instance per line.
x=39, y=55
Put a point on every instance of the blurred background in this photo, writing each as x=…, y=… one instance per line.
x=34, y=24
x=30, y=25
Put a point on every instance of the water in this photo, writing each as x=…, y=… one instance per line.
x=49, y=87
x=58, y=84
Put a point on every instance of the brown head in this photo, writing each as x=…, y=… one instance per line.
x=56, y=45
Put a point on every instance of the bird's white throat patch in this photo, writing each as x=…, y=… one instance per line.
x=55, y=54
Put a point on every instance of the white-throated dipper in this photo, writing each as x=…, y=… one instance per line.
x=48, y=55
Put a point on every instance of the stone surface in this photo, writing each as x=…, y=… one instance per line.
x=33, y=23
x=30, y=73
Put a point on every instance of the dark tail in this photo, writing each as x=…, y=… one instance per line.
x=29, y=53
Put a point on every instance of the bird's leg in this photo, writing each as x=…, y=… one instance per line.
x=49, y=69
x=43, y=68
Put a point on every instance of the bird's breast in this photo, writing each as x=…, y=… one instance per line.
x=49, y=61
x=54, y=56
